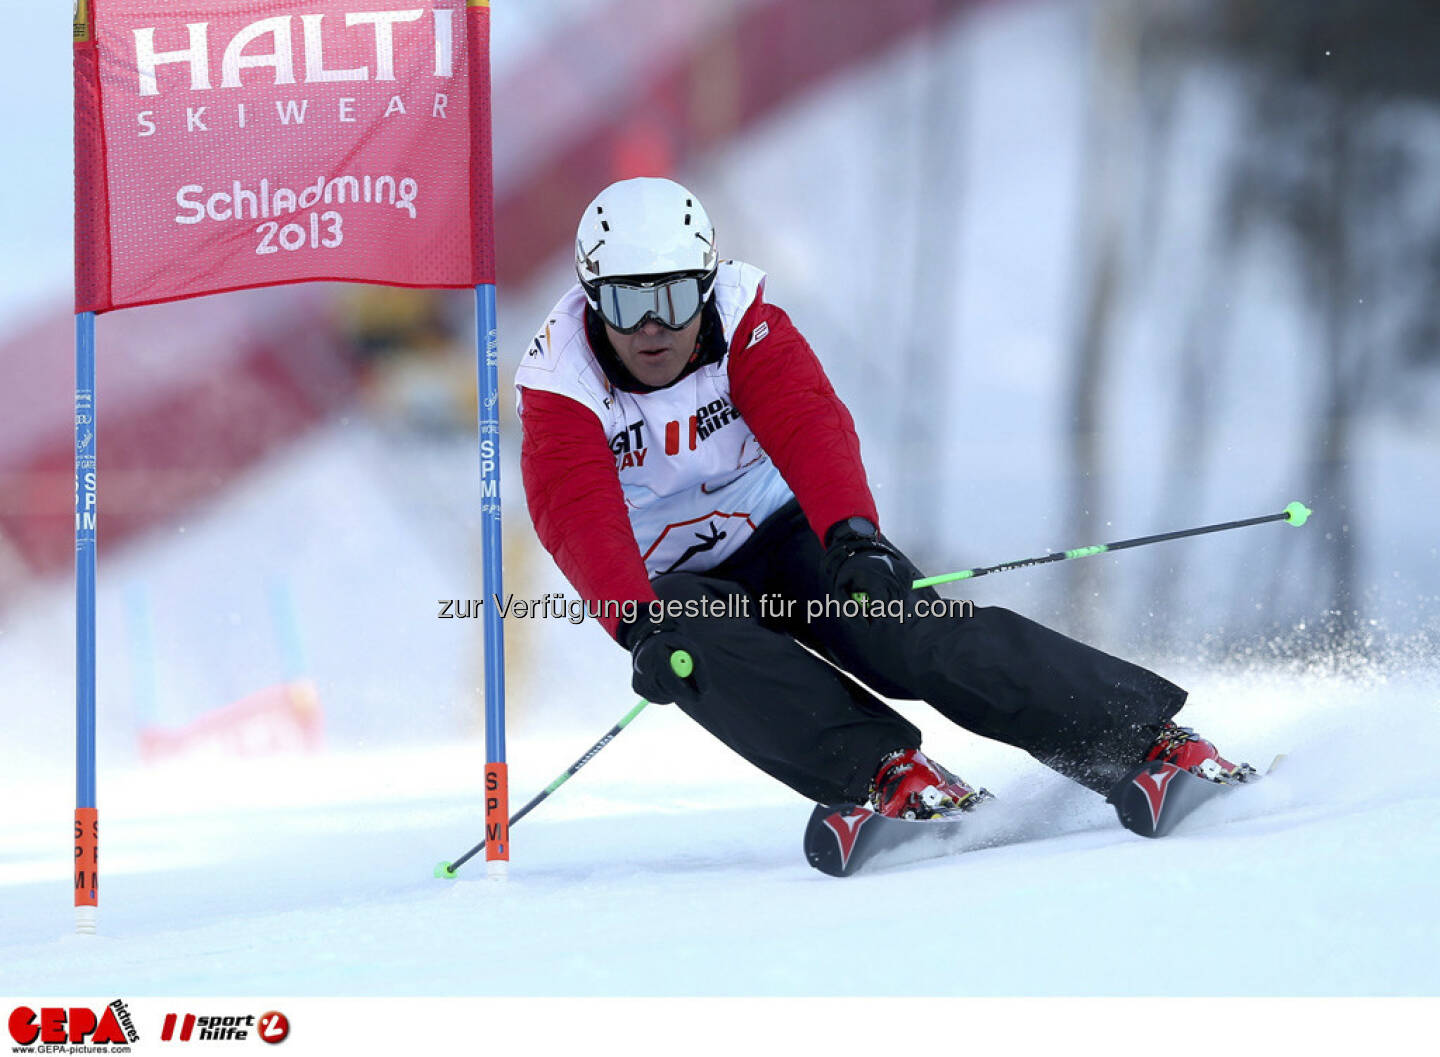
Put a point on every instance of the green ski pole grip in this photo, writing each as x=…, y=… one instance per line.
x=682, y=664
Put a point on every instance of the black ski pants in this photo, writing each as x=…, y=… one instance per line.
x=806, y=722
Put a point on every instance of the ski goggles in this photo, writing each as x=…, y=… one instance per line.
x=672, y=302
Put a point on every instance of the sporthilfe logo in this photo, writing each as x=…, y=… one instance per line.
x=271, y=1026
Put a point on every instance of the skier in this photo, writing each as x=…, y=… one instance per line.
x=691, y=470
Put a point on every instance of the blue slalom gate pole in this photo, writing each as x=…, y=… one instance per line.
x=497, y=795
x=87, y=884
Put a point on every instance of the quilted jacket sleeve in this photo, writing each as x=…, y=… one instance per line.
x=782, y=392
x=576, y=504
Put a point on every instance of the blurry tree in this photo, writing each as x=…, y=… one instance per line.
x=927, y=350
x=1108, y=188
x=1321, y=161
x=1334, y=92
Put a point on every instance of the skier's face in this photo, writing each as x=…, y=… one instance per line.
x=655, y=355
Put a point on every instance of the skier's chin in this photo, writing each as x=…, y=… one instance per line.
x=655, y=368
x=654, y=356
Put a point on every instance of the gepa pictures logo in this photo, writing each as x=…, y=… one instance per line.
x=53, y=1026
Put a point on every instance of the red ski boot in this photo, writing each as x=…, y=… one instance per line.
x=909, y=785
x=1184, y=748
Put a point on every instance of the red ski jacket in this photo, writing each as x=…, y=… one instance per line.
x=783, y=395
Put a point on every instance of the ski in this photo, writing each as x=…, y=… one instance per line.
x=1151, y=800
x=1156, y=797
x=842, y=838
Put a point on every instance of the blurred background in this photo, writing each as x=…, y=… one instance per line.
x=1082, y=271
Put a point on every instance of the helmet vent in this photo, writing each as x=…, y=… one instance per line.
x=643, y=227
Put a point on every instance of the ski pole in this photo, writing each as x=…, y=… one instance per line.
x=1296, y=514
x=682, y=665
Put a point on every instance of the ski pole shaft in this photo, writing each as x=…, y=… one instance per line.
x=447, y=869
x=682, y=664
x=1295, y=514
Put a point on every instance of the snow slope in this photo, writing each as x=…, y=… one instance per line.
x=667, y=868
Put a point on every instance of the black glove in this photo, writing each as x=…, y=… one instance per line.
x=858, y=562
x=657, y=649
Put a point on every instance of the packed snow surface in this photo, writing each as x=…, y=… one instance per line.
x=669, y=867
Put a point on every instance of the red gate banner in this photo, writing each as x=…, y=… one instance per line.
x=225, y=144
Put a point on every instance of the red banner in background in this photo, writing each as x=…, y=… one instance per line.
x=224, y=144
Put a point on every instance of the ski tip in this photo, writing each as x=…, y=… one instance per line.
x=832, y=836
x=443, y=871
x=1276, y=762
x=1142, y=797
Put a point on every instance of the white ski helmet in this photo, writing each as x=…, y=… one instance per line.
x=646, y=226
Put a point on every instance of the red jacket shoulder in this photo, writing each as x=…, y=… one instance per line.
x=781, y=390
